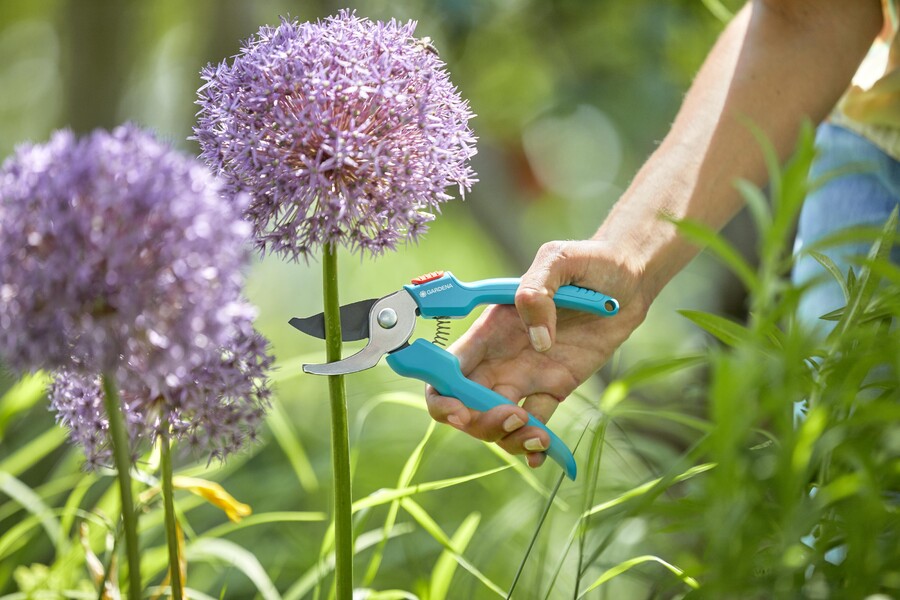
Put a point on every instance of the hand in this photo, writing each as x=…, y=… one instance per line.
x=533, y=353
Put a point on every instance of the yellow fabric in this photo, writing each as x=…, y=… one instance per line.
x=871, y=106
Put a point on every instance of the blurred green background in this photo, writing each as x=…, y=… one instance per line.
x=570, y=95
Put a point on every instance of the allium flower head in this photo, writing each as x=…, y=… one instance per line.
x=343, y=131
x=215, y=411
x=115, y=245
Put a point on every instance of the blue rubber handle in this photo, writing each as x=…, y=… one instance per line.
x=446, y=296
x=435, y=366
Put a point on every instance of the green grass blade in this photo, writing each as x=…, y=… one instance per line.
x=668, y=415
x=28, y=455
x=33, y=503
x=718, y=10
x=725, y=330
x=26, y=392
x=389, y=495
x=264, y=518
x=835, y=271
x=647, y=487
x=280, y=424
x=724, y=251
x=18, y=535
x=867, y=281
x=757, y=204
x=527, y=475
x=650, y=370
x=445, y=567
x=73, y=501
x=434, y=530
x=406, y=475
x=633, y=562
x=238, y=557
x=534, y=536
x=367, y=594
x=314, y=575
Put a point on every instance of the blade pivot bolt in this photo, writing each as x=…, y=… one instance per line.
x=387, y=318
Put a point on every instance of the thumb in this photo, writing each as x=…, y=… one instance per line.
x=556, y=264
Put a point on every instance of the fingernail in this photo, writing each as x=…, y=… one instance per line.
x=454, y=420
x=540, y=338
x=534, y=445
x=512, y=423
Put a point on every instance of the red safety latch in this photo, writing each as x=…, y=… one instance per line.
x=427, y=277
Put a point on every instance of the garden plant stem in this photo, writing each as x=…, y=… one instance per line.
x=340, y=438
x=122, y=456
x=169, y=509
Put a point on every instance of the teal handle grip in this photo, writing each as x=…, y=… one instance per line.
x=446, y=296
x=435, y=366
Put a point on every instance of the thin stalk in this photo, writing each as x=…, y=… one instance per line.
x=169, y=510
x=122, y=456
x=340, y=437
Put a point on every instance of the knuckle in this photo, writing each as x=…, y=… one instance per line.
x=552, y=250
x=528, y=295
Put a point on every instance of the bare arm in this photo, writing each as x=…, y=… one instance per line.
x=778, y=63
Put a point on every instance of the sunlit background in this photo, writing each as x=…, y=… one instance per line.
x=570, y=96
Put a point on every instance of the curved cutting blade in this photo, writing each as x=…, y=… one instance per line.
x=354, y=322
x=382, y=338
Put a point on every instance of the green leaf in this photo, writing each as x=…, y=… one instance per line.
x=384, y=496
x=33, y=503
x=770, y=156
x=263, y=518
x=236, y=556
x=28, y=455
x=406, y=476
x=633, y=562
x=527, y=475
x=313, y=576
x=867, y=282
x=430, y=525
x=757, y=204
x=649, y=370
x=668, y=415
x=18, y=535
x=280, y=424
x=649, y=486
x=835, y=271
x=445, y=567
x=718, y=10
x=704, y=236
x=27, y=392
x=367, y=594
x=725, y=330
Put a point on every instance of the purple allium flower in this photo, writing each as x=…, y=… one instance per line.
x=216, y=411
x=342, y=131
x=115, y=245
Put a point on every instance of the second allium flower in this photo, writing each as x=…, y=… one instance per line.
x=342, y=131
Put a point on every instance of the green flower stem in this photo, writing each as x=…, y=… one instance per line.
x=169, y=509
x=340, y=437
x=122, y=456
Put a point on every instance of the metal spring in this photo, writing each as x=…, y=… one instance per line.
x=442, y=332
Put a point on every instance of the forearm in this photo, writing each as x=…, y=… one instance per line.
x=777, y=63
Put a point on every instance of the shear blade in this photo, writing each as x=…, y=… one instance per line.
x=354, y=322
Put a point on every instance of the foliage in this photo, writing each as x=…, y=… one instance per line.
x=695, y=481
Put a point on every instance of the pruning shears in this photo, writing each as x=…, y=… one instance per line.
x=388, y=323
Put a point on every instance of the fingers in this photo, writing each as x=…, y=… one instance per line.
x=489, y=426
x=505, y=424
x=556, y=264
x=526, y=440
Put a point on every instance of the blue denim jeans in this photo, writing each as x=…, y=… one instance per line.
x=865, y=196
